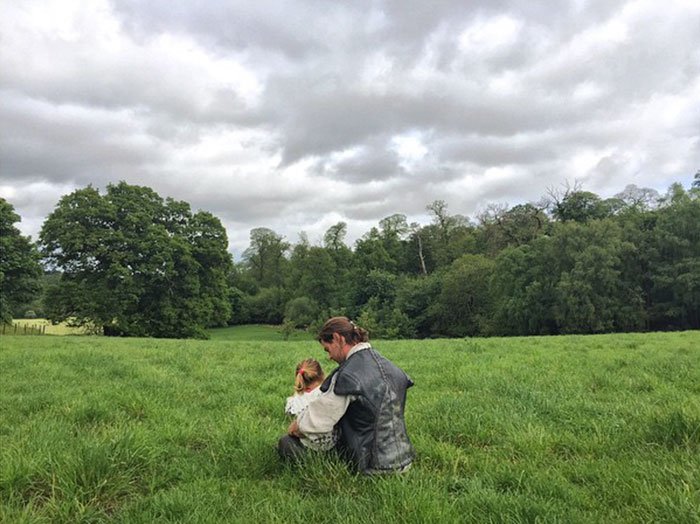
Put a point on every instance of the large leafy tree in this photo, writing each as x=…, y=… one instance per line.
x=375, y=270
x=596, y=289
x=334, y=238
x=19, y=264
x=136, y=264
x=464, y=303
x=447, y=238
x=265, y=257
x=523, y=289
x=501, y=227
x=676, y=262
x=343, y=260
x=312, y=274
x=371, y=253
x=416, y=297
x=638, y=198
x=581, y=206
x=394, y=229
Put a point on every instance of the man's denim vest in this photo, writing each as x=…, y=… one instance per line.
x=373, y=431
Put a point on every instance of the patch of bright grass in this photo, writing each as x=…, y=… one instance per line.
x=554, y=429
x=44, y=326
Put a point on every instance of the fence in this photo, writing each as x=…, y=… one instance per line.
x=16, y=329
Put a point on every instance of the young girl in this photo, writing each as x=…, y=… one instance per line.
x=307, y=381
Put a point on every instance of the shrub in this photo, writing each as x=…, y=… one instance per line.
x=301, y=311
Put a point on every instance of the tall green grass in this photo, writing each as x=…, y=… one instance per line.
x=560, y=429
x=257, y=332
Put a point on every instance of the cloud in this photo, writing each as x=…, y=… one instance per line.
x=301, y=116
x=62, y=143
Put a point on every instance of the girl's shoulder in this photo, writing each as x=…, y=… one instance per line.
x=296, y=404
x=316, y=392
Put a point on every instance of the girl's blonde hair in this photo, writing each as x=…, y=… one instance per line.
x=308, y=372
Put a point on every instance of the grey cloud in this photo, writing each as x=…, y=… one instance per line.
x=193, y=98
x=497, y=151
x=374, y=160
x=285, y=29
x=306, y=101
x=321, y=125
x=69, y=144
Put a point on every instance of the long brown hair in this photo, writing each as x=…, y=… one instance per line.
x=308, y=372
x=344, y=327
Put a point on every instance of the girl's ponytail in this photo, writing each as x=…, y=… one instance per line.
x=299, y=386
x=308, y=372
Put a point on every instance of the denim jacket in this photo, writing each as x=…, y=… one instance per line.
x=373, y=430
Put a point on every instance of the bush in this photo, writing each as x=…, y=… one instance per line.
x=301, y=312
x=385, y=322
x=266, y=306
x=287, y=329
x=240, y=308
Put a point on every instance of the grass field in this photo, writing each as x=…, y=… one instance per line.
x=559, y=429
x=257, y=332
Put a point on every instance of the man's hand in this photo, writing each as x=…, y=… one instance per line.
x=294, y=429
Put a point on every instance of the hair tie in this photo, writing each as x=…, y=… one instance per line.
x=301, y=372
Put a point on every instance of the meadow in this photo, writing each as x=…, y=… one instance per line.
x=602, y=428
x=257, y=332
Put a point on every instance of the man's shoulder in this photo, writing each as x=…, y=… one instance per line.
x=355, y=371
x=360, y=357
x=365, y=363
x=368, y=357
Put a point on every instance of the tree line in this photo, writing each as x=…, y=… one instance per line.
x=133, y=263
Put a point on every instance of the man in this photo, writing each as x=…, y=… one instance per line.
x=364, y=398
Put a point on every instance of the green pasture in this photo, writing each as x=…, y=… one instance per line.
x=601, y=428
x=259, y=332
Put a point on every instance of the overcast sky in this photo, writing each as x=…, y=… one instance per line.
x=295, y=115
